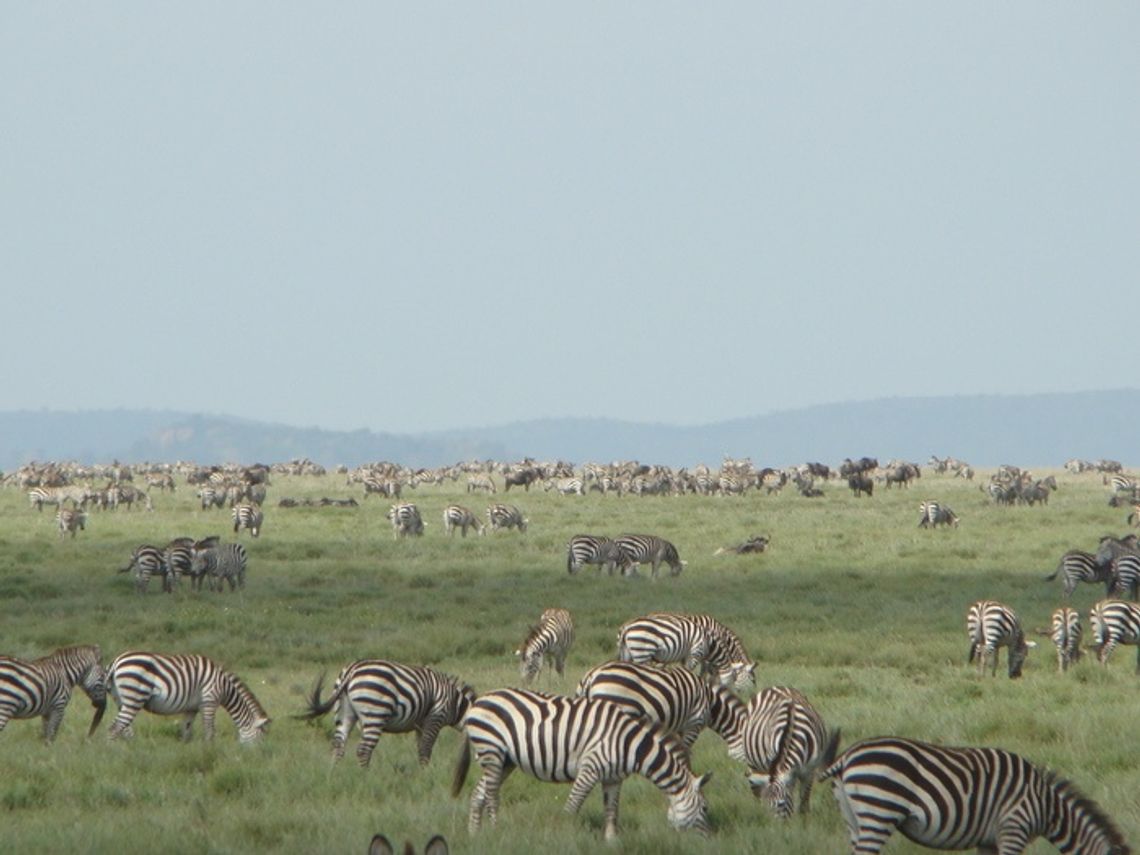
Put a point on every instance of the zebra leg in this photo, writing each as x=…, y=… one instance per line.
x=5, y=716
x=611, y=793
x=427, y=737
x=369, y=736
x=588, y=775
x=346, y=720
x=1106, y=651
x=559, y=662
x=187, y=723
x=121, y=726
x=209, y=709
x=52, y=721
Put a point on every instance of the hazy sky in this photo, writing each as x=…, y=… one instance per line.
x=415, y=216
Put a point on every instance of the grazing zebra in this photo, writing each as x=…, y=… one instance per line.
x=481, y=482
x=1066, y=636
x=406, y=520
x=221, y=563
x=992, y=625
x=387, y=697
x=678, y=700
x=70, y=520
x=565, y=486
x=933, y=514
x=146, y=561
x=381, y=486
x=699, y=641
x=961, y=798
x=178, y=559
x=561, y=739
x=459, y=517
x=639, y=548
x=247, y=516
x=594, y=549
x=1078, y=566
x=182, y=684
x=506, y=517
x=1115, y=622
x=43, y=687
x=551, y=636
x=783, y=742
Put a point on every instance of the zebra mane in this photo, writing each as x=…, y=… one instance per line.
x=1082, y=805
x=241, y=691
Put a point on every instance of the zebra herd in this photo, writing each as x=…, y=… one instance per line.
x=627, y=552
x=407, y=521
x=636, y=715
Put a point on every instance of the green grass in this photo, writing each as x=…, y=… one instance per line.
x=853, y=604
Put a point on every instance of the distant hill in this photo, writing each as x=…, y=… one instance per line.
x=986, y=430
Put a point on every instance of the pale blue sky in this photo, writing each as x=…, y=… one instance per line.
x=417, y=216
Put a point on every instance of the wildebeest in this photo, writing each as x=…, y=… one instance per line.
x=860, y=483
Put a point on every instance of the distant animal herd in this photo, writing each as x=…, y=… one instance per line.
x=672, y=675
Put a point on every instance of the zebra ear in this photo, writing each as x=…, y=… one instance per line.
x=380, y=846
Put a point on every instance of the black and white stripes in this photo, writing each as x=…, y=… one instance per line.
x=701, y=642
x=182, y=685
x=962, y=798
x=1115, y=622
x=387, y=697
x=551, y=636
x=992, y=625
x=581, y=740
x=42, y=687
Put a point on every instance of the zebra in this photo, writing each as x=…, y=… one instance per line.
x=594, y=549
x=992, y=625
x=639, y=548
x=178, y=559
x=961, y=798
x=506, y=517
x=40, y=496
x=933, y=514
x=700, y=641
x=551, y=636
x=406, y=520
x=1115, y=622
x=560, y=739
x=783, y=741
x=42, y=687
x=211, y=497
x=146, y=561
x=70, y=520
x=247, y=516
x=678, y=700
x=1066, y=636
x=457, y=516
x=481, y=481
x=387, y=697
x=221, y=563
x=182, y=684
x=565, y=486
x=1125, y=576
x=1079, y=566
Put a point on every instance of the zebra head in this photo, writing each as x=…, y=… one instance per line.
x=689, y=808
x=773, y=790
x=1018, y=651
x=739, y=675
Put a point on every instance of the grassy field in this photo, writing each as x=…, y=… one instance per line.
x=852, y=604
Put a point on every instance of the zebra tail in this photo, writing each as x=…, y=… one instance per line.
x=317, y=709
x=973, y=652
x=832, y=749
x=100, y=708
x=1053, y=575
x=462, y=765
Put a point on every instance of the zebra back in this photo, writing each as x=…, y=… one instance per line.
x=935, y=793
x=1066, y=635
x=992, y=625
x=1114, y=622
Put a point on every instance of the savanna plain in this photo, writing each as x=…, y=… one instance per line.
x=853, y=604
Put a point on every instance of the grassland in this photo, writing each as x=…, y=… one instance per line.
x=853, y=604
